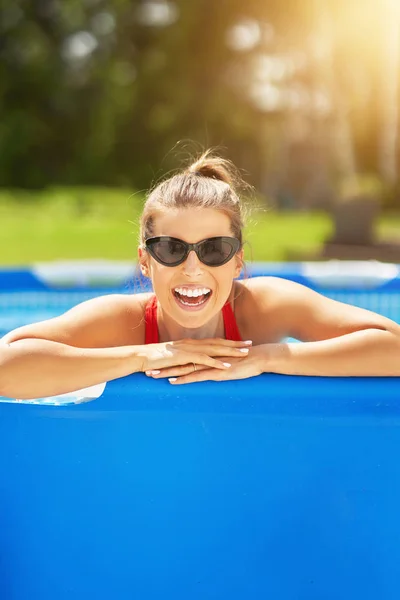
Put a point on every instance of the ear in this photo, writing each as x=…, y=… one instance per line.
x=143, y=262
x=239, y=263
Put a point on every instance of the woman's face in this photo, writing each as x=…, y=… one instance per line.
x=180, y=289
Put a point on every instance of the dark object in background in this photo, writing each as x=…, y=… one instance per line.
x=354, y=220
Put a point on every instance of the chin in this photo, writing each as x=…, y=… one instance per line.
x=193, y=322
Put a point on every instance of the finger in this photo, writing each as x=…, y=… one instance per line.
x=219, y=350
x=177, y=371
x=204, y=375
x=214, y=342
x=226, y=343
x=208, y=361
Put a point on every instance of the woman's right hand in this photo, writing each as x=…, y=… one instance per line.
x=203, y=353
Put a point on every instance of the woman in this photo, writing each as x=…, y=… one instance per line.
x=192, y=328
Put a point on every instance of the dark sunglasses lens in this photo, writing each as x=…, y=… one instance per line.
x=168, y=251
x=217, y=251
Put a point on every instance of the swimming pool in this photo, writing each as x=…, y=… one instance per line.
x=33, y=295
x=278, y=487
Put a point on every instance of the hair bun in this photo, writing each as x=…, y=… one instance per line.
x=214, y=167
x=209, y=182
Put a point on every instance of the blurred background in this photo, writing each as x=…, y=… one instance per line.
x=101, y=98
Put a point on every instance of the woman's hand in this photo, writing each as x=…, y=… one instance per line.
x=191, y=354
x=248, y=365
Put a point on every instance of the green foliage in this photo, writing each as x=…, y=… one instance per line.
x=94, y=93
x=112, y=115
x=83, y=223
x=278, y=236
x=68, y=223
x=369, y=185
x=361, y=185
x=103, y=223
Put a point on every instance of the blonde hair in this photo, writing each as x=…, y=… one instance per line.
x=209, y=182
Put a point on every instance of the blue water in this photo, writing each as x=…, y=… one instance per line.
x=21, y=308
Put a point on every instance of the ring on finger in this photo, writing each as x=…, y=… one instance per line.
x=194, y=367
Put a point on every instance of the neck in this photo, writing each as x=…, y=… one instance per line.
x=170, y=331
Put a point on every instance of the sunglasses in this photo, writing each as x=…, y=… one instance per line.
x=213, y=252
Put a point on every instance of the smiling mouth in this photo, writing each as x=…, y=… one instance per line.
x=192, y=298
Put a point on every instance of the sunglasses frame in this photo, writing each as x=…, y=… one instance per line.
x=235, y=247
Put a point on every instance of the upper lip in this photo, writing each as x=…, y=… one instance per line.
x=191, y=286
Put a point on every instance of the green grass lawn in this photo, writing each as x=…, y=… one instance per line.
x=75, y=223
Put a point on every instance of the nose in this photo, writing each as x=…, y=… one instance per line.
x=192, y=265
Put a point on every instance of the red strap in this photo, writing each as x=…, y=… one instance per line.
x=150, y=318
x=151, y=337
x=231, y=329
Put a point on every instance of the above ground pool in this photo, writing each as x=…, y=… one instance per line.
x=274, y=487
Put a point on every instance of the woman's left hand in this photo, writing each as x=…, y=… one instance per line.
x=249, y=366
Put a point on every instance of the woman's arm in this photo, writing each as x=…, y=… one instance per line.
x=366, y=353
x=340, y=339
x=91, y=343
x=34, y=368
x=94, y=342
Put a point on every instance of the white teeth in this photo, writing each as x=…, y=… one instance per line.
x=192, y=292
x=192, y=303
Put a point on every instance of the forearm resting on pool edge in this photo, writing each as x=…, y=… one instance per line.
x=366, y=353
x=32, y=368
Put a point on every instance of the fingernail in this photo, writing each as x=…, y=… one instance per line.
x=152, y=372
x=245, y=350
x=227, y=364
x=172, y=379
x=248, y=342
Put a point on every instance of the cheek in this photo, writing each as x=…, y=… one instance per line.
x=233, y=269
x=161, y=277
x=224, y=278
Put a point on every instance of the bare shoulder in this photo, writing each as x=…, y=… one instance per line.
x=268, y=293
x=272, y=308
x=258, y=307
x=105, y=321
x=266, y=289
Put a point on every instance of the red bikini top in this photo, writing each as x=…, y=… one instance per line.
x=152, y=337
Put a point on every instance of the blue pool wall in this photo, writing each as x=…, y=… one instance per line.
x=274, y=487
x=282, y=487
